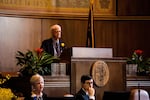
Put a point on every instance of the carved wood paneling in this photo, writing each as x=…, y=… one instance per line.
x=133, y=8
x=114, y=65
x=56, y=7
x=17, y=34
x=27, y=33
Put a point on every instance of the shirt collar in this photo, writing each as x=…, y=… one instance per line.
x=85, y=91
x=34, y=95
x=55, y=41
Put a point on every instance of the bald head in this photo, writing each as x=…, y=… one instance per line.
x=56, y=31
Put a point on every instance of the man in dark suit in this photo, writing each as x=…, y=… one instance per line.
x=54, y=45
x=87, y=91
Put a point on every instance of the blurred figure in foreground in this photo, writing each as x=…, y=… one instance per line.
x=37, y=85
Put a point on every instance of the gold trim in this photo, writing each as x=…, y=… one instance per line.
x=4, y=13
x=51, y=7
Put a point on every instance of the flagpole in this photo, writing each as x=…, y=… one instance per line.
x=90, y=42
x=91, y=7
x=92, y=30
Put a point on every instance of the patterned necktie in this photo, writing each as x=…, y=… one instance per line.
x=57, y=50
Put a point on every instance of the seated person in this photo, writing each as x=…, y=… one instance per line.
x=87, y=91
x=37, y=85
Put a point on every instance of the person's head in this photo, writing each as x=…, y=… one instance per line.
x=37, y=83
x=86, y=81
x=56, y=31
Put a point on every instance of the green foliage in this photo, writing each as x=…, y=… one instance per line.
x=139, y=59
x=33, y=62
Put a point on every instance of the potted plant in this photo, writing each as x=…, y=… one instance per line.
x=143, y=64
x=37, y=61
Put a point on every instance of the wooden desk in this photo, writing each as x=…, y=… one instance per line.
x=56, y=86
x=117, y=78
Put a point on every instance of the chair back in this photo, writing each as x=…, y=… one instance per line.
x=116, y=95
x=139, y=94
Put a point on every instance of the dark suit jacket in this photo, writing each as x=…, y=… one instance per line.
x=81, y=95
x=47, y=45
x=30, y=98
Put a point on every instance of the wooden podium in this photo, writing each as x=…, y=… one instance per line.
x=81, y=64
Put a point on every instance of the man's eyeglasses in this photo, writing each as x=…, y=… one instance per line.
x=88, y=82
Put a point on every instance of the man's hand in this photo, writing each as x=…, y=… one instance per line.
x=91, y=91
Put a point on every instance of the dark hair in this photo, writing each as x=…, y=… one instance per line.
x=85, y=77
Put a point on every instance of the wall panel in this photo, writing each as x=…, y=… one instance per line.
x=17, y=34
x=73, y=31
x=133, y=35
x=123, y=36
x=133, y=8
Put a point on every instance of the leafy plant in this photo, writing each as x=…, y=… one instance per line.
x=138, y=58
x=32, y=62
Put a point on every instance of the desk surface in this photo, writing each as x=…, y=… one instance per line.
x=138, y=78
x=138, y=81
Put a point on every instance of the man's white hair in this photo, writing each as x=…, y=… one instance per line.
x=54, y=27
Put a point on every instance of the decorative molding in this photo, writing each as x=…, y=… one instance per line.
x=57, y=84
x=61, y=7
x=106, y=7
x=138, y=83
x=104, y=4
x=56, y=81
x=100, y=73
x=114, y=59
x=103, y=9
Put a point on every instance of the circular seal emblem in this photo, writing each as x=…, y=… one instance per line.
x=100, y=73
